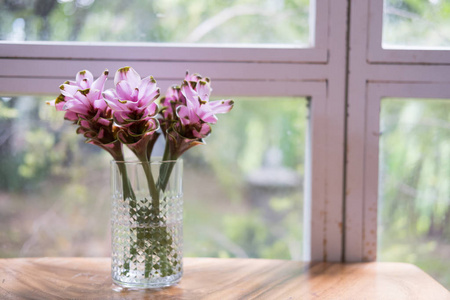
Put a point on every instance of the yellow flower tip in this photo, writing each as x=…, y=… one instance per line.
x=84, y=92
x=124, y=69
x=59, y=99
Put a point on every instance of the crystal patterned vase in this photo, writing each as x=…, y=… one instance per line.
x=146, y=223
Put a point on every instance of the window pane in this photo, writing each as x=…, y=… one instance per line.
x=177, y=21
x=54, y=188
x=243, y=191
x=416, y=23
x=414, y=202
x=250, y=200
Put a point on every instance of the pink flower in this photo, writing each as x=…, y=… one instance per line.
x=81, y=97
x=198, y=107
x=198, y=110
x=188, y=113
x=84, y=105
x=134, y=110
x=171, y=101
x=133, y=97
x=192, y=99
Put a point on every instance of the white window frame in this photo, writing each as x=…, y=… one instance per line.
x=318, y=73
x=410, y=55
x=375, y=73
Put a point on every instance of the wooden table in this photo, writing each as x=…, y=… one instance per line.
x=213, y=278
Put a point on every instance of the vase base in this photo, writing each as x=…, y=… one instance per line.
x=151, y=283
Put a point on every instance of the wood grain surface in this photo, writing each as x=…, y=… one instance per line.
x=213, y=278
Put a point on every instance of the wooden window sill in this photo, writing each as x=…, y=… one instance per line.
x=214, y=278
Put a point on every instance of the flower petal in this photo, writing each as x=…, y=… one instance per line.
x=190, y=94
x=84, y=79
x=110, y=94
x=81, y=97
x=58, y=103
x=205, y=130
x=71, y=116
x=104, y=122
x=100, y=104
x=203, y=90
x=78, y=108
x=128, y=74
x=221, y=106
x=84, y=123
x=99, y=83
x=124, y=90
x=93, y=95
x=68, y=90
x=183, y=114
x=101, y=133
x=116, y=105
x=209, y=117
x=148, y=91
x=152, y=110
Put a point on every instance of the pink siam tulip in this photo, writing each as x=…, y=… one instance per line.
x=188, y=114
x=198, y=107
x=84, y=105
x=170, y=102
x=134, y=110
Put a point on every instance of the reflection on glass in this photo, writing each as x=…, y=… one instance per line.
x=243, y=191
x=178, y=21
x=414, y=201
x=416, y=23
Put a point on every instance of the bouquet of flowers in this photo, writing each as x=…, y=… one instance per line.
x=131, y=114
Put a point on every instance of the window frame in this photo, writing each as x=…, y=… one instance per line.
x=316, y=52
x=318, y=73
x=375, y=73
x=409, y=55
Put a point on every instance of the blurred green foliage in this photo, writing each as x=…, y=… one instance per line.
x=422, y=23
x=414, y=206
x=7, y=112
x=237, y=147
x=179, y=21
x=34, y=145
x=53, y=188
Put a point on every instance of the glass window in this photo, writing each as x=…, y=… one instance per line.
x=243, y=191
x=175, y=21
x=414, y=197
x=54, y=188
x=415, y=23
x=250, y=175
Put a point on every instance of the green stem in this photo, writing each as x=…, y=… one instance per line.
x=120, y=162
x=157, y=234
x=154, y=192
x=165, y=172
x=149, y=233
x=166, y=167
x=128, y=192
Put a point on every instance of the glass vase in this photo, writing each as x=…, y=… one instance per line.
x=146, y=223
